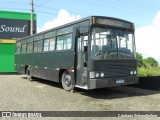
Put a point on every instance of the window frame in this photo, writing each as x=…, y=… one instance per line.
x=64, y=43
x=37, y=43
x=22, y=49
x=28, y=47
x=18, y=48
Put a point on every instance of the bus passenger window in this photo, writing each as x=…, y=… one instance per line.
x=68, y=41
x=24, y=48
x=60, y=43
x=46, y=45
x=29, y=47
x=35, y=46
x=52, y=44
x=18, y=47
x=64, y=42
x=39, y=46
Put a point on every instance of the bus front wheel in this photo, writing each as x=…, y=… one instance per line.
x=67, y=82
x=28, y=74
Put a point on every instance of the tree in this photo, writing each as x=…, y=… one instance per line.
x=147, y=66
x=140, y=59
x=151, y=61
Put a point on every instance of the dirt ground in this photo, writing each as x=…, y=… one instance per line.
x=20, y=94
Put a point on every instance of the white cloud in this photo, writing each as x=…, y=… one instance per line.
x=62, y=18
x=148, y=39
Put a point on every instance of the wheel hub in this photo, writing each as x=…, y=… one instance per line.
x=68, y=80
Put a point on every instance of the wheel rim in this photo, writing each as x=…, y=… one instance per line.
x=67, y=81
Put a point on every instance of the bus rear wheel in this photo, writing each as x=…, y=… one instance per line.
x=28, y=74
x=67, y=82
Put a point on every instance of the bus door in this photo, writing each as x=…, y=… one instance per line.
x=81, y=68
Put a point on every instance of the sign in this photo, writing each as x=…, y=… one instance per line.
x=114, y=22
x=13, y=28
x=4, y=28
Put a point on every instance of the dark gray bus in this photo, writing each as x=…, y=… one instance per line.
x=90, y=53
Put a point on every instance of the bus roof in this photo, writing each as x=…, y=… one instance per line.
x=74, y=22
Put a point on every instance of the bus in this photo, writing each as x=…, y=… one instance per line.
x=93, y=52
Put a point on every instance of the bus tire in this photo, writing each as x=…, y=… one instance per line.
x=28, y=74
x=67, y=83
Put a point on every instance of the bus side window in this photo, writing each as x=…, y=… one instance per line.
x=35, y=46
x=46, y=45
x=68, y=41
x=59, y=45
x=52, y=44
x=18, y=47
x=64, y=42
x=29, y=47
x=39, y=46
x=24, y=48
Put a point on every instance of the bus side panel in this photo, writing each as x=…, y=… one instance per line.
x=19, y=67
x=46, y=65
x=53, y=75
x=42, y=66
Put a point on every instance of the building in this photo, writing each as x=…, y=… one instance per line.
x=12, y=25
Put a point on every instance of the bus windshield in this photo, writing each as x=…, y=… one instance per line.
x=111, y=44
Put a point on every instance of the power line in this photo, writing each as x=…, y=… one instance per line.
x=44, y=2
x=132, y=3
x=51, y=8
x=45, y=12
x=36, y=6
x=17, y=9
x=116, y=7
x=121, y=6
x=15, y=2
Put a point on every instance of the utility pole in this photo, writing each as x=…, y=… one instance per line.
x=31, y=22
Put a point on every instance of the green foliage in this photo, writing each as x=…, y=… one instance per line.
x=148, y=71
x=142, y=71
x=140, y=59
x=148, y=66
x=150, y=61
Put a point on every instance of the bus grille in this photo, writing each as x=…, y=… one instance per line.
x=115, y=68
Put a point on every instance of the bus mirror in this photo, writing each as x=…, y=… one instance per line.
x=77, y=33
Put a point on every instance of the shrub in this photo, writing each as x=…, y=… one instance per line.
x=148, y=70
x=142, y=71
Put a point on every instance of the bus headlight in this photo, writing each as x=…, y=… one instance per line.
x=135, y=72
x=131, y=72
x=102, y=74
x=92, y=74
x=97, y=74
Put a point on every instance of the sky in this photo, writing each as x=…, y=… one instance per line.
x=145, y=14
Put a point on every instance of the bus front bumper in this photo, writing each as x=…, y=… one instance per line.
x=110, y=82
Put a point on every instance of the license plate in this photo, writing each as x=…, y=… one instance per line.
x=119, y=81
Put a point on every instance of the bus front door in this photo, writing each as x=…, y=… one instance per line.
x=81, y=68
